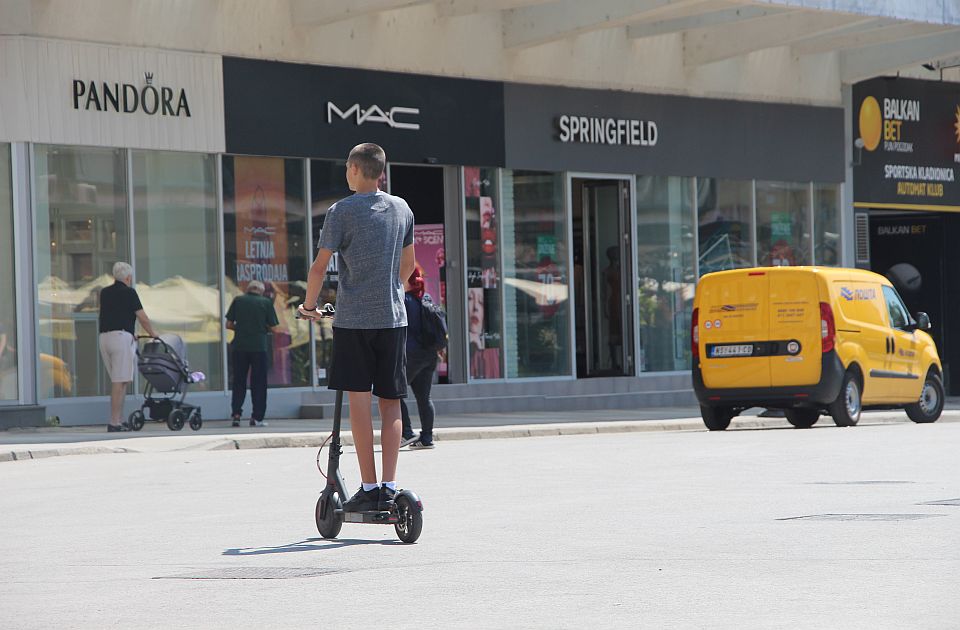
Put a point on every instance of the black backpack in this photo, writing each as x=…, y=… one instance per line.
x=433, y=326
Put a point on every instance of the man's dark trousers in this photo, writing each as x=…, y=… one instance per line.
x=254, y=363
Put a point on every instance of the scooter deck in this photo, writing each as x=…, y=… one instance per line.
x=372, y=517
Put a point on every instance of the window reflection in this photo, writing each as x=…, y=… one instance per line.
x=328, y=185
x=826, y=216
x=8, y=304
x=725, y=218
x=535, y=275
x=265, y=239
x=783, y=224
x=175, y=224
x=81, y=231
x=665, y=271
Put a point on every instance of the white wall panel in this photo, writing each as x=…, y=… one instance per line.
x=41, y=73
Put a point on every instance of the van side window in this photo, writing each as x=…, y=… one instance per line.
x=898, y=312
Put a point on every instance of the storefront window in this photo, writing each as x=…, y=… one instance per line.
x=81, y=231
x=8, y=304
x=328, y=185
x=783, y=224
x=535, y=275
x=484, y=325
x=665, y=271
x=826, y=223
x=265, y=239
x=178, y=257
x=725, y=209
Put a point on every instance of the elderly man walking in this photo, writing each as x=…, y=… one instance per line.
x=120, y=309
x=251, y=316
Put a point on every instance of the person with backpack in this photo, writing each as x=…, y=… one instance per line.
x=426, y=336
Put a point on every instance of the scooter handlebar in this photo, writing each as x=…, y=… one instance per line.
x=327, y=310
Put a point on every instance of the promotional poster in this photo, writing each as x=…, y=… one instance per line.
x=906, y=144
x=428, y=243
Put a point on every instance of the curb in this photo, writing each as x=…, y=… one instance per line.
x=314, y=440
x=21, y=455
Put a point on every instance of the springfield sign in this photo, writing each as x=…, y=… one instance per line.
x=612, y=131
x=907, y=153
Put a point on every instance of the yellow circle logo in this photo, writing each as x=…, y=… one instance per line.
x=956, y=125
x=871, y=123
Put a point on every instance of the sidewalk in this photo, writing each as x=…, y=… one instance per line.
x=39, y=443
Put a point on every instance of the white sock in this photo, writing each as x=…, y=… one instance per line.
x=390, y=484
x=367, y=487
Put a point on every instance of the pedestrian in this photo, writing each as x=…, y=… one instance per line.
x=421, y=366
x=120, y=310
x=250, y=316
x=372, y=234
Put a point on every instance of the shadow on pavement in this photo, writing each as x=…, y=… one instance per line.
x=306, y=545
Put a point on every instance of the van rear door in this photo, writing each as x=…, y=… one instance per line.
x=733, y=320
x=795, y=338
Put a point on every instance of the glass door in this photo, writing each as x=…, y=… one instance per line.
x=602, y=277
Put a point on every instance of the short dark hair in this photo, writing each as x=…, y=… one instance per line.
x=369, y=158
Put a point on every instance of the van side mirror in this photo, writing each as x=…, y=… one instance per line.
x=923, y=321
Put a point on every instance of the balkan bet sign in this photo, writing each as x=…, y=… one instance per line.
x=907, y=144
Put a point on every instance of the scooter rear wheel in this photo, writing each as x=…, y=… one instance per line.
x=328, y=523
x=411, y=519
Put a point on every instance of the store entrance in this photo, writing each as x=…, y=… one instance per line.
x=602, y=268
x=423, y=189
x=909, y=249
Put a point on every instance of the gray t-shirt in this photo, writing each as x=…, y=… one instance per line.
x=368, y=230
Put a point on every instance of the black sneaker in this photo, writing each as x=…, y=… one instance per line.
x=123, y=426
x=420, y=444
x=387, y=499
x=236, y=419
x=408, y=440
x=253, y=422
x=363, y=501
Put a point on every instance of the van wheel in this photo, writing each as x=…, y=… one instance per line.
x=928, y=408
x=803, y=418
x=716, y=418
x=848, y=405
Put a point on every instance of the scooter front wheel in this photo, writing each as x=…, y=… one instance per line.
x=328, y=522
x=411, y=519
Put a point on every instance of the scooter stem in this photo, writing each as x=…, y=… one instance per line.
x=334, y=478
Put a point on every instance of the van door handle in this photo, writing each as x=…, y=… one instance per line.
x=893, y=345
x=887, y=345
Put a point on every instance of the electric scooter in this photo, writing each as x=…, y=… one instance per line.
x=407, y=514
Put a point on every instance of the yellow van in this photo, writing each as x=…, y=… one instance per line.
x=810, y=340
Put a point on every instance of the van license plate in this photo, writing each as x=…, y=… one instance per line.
x=741, y=350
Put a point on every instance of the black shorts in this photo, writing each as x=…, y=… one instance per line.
x=363, y=358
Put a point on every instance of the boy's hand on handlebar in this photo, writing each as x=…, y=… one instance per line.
x=327, y=310
x=311, y=314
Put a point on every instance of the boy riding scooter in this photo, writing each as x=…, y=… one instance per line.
x=372, y=233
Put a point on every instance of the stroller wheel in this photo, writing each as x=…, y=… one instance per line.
x=136, y=420
x=195, y=420
x=175, y=419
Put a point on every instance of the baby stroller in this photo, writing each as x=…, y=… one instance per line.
x=161, y=361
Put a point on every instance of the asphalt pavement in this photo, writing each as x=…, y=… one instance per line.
x=751, y=528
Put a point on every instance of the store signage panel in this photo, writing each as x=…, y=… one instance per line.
x=557, y=128
x=907, y=144
x=322, y=112
x=96, y=95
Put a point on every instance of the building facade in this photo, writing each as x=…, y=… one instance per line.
x=562, y=228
